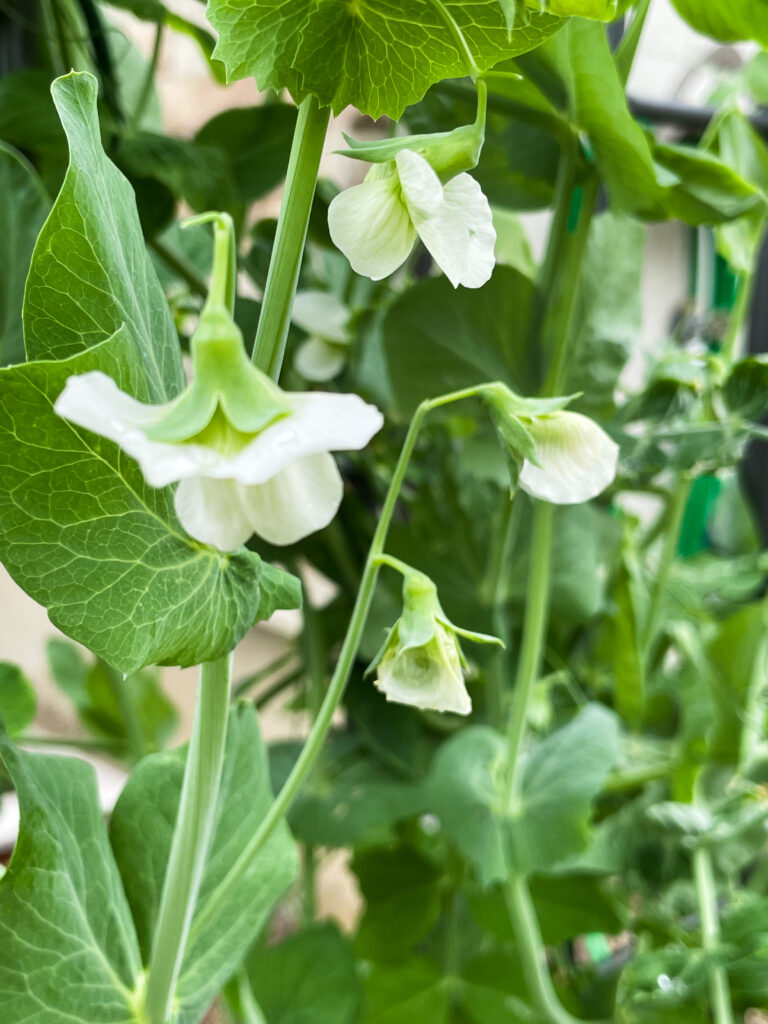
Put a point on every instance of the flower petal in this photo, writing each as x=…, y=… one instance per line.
x=370, y=224
x=94, y=401
x=422, y=190
x=318, y=360
x=213, y=511
x=320, y=422
x=577, y=459
x=321, y=314
x=300, y=499
x=426, y=677
x=465, y=199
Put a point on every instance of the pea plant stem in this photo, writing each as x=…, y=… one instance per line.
x=283, y=274
x=324, y=717
x=706, y=895
x=191, y=838
x=674, y=522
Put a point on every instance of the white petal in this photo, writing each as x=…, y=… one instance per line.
x=426, y=677
x=318, y=360
x=421, y=186
x=464, y=197
x=320, y=422
x=577, y=459
x=321, y=314
x=460, y=235
x=213, y=511
x=370, y=224
x=94, y=401
x=300, y=499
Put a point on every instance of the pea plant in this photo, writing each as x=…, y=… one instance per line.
x=537, y=694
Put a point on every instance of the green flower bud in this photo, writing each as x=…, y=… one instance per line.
x=421, y=662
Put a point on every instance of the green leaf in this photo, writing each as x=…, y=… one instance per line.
x=147, y=807
x=90, y=271
x=437, y=338
x=337, y=50
x=609, y=311
x=309, y=978
x=363, y=796
x=746, y=389
x=68, y=948
x=84, y=534
x=106, y=701
x=493, y=990
x=18, y=701
x=256, y=142
x=413, y=993
x=727, y=20
x=738, y=144
x=461, y=786
x=402, y=901
x=24, y=205
x=561, y=778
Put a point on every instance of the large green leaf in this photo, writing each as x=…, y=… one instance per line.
x=90, y=270
x=377, y=55
x=85, y=535
x=24, y=205
x=309, y=978
x=68, y=948
x=463, y=793
x=561, y=778
x=727, y=20
x=437, y=338
x=147, y=807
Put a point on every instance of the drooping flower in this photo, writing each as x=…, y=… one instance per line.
x=324, y=317
x=562, y=457
x=248, y=456
x=421, y=662
x=376, y=223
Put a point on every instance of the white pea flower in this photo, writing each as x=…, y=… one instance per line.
x=376, y=223
x=421, y=662
x=324, y=317
x=575, y=458
x=563, y=457
x=249, y=457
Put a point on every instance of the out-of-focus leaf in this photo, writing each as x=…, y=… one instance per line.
x=18, y=701
x=727, y=20
x=413, y=993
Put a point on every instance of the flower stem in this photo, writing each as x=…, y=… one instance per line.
x=322, y=723
x=530, y=948
x=191, y=838
x=534, y=628
x=283, y=275
x=674, y=522
x=706, y=895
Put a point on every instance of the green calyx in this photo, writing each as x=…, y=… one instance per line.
x=513, y=415
x=448, y=153
x=229, y=400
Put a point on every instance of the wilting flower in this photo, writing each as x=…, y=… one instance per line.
x=376, y=223
x=421, y=662
x=563, y=457
x=324, y=317
x=249, y=457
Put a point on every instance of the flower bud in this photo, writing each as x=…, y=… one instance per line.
x=421, y=662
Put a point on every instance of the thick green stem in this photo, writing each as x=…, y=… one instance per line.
x=191, y=838
x=292, y=224
x=706, y=894
x=322, y=723
x=530, y=949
